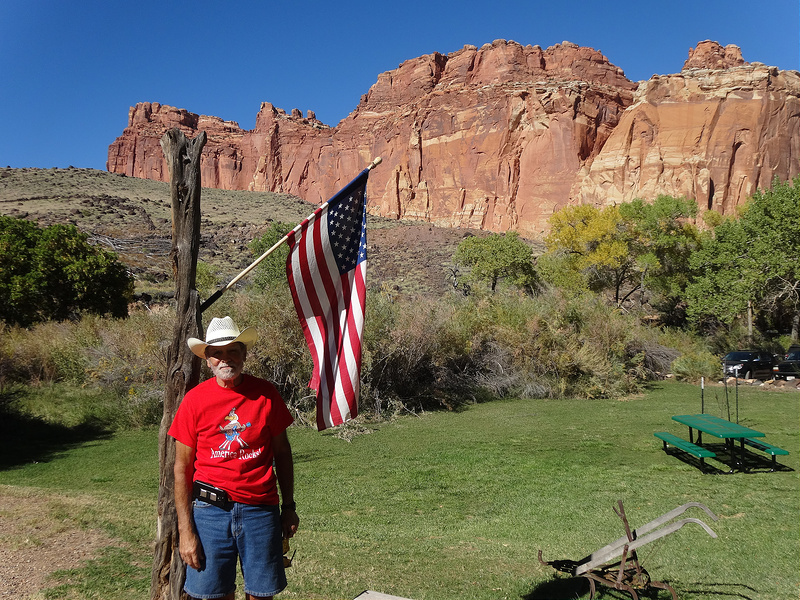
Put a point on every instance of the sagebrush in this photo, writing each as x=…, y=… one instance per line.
x=418, y=353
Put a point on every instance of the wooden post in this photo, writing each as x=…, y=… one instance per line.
x=183, y=367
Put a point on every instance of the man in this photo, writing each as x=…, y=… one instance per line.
x=231, y=448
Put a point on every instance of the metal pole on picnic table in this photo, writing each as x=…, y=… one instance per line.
x=736, y=387
x=702, y=398
x=725, y=381
x=216, y=295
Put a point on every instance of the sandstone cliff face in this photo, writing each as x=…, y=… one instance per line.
x=490, y=138
x=500, y=137
x=712, y=134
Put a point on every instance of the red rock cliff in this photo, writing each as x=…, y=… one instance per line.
x=502, y=136
x=715, y=132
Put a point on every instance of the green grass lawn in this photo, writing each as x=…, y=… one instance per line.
x=457, y=505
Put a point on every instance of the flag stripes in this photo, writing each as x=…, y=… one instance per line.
x=326, y=269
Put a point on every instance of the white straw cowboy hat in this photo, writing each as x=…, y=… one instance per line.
x=222, y=332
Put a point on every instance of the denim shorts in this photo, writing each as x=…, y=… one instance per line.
x=251, y=533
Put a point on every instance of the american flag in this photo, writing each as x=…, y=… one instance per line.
x=327, y=268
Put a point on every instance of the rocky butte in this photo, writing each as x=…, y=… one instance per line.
x=500, y=137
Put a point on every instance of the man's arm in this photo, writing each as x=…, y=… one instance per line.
x=284, y=466
x=188, y=541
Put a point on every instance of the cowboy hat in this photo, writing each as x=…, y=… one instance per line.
x=222, y=332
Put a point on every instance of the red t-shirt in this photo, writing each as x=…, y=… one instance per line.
x=231, y=431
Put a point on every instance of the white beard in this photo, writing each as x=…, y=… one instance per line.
x=226, y=373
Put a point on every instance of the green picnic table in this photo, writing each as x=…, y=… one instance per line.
x=719, y=428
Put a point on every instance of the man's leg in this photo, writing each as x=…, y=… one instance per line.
x=217, y=578
x=259, y=539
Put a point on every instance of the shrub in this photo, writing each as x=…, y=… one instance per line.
x=271, y=271
x=119, y=363
x=46, y=352
x=206, y=280
x=415, y=352
x=560, y=345
x=54, y=273
x=694, y=364
x=418, y=353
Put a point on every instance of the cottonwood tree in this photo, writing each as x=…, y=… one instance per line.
x=662, y=239
x=588, y=248
x=626, y=249
x=751, y=262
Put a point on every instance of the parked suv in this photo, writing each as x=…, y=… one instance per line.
x=790, y=367
x=750, y=364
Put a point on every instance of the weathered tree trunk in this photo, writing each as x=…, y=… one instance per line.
x=183, y=367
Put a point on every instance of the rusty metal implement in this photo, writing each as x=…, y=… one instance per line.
x=616, y=565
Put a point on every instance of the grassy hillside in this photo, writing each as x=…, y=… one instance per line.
x=132, y=217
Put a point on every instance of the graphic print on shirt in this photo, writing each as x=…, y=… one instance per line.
x=233, y=431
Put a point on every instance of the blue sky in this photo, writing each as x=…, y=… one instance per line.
x=69, y=70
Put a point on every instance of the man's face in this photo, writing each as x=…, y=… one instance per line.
x=226, y=362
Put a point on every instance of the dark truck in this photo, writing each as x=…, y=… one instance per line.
x=789, y=368
x=749, y=364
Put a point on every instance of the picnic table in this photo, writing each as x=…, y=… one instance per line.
x=730, y=432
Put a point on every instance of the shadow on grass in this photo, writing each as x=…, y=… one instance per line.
x=705, y=466
x=576, y=588
x=25, y=439
x=754, y=462
x=722, y=590
x=560, y=588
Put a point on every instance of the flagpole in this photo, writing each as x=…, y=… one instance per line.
x=216, y=295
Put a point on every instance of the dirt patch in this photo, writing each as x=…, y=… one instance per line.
x=35, y=542
x=413, y=258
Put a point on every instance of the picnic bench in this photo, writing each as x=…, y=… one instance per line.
x=773, y=451
x=676, y=442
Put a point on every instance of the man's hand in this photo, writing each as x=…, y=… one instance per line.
x=290, y=522
x=191, y=550
x=284, y=466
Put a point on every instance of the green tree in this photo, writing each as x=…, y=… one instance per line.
x=54, y=273
x=662, y=240
x=272, y=270
x=498, y=257
x=751, y=262
x=19, y=282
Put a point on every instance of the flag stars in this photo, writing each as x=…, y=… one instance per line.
x=346, y=231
